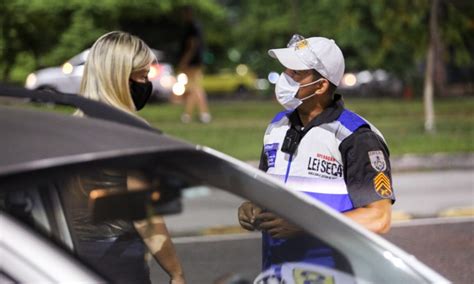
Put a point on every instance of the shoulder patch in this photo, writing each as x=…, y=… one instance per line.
x=377, y=160
x=382, y=185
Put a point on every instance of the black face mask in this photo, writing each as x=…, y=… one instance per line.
x=141, y=92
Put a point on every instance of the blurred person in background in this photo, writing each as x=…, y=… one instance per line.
x=191, y=63
x=116, y=73
x=318, y=147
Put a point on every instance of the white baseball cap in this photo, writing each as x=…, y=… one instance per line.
x=318, y=53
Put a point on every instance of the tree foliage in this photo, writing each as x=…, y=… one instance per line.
x=389, y=34
x=40, y=33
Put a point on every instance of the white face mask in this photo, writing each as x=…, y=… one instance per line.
x=286, y=89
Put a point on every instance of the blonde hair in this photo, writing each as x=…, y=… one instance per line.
x=111, y=61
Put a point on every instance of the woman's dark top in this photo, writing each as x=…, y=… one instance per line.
x=114, y=248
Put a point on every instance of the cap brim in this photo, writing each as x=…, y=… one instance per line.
x=288, y=58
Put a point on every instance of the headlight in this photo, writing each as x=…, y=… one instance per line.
x=30, y=81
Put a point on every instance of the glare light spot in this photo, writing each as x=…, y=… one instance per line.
x=241, y=69
x=393, y=259
x=234, y=55
x=349, y=79
x=155, y=196
x=380, y=75
x=97, y=193
x=364, y=77
x=262, y=84
x=153, y=72
x=30, y=81
x=178, y=89
x=273, y=77
x=156, y=241
x=167, y=81
x=67, y=68
x=182, y=79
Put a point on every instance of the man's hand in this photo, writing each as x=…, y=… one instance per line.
x=276, y=226
x=247, y=215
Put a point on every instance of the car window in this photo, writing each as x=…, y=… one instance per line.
x=99, y=204
x=40, y=208
x=213, y=247
x=69, y=209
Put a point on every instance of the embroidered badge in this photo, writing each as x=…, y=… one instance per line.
x=377, y=160
x=382, y=185
x=301, y=44
x=271, y=152
x=310, y=276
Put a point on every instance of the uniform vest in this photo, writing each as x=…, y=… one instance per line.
x=316, y=169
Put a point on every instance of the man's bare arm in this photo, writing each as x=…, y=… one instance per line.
x=375, y=216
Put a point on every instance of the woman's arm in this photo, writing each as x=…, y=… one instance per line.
x=155, y=235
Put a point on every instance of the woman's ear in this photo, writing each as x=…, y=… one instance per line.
x=322, y=86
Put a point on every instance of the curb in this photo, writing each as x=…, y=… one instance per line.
x=399, y=218
x=438, y=161
x=457, y=212
x=418, y=162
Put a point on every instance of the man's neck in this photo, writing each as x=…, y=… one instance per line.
x=310, y=109
x=307, y=115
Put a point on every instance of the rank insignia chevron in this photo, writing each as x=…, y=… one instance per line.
x=382, y=185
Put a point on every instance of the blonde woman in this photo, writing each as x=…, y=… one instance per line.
x=116, y=73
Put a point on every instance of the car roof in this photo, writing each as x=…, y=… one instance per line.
x=34, y=140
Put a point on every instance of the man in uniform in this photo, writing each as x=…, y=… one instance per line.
x=322, y=149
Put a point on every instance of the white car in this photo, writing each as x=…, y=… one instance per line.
x=365, y=83
x=33, y=179
x=67, y=78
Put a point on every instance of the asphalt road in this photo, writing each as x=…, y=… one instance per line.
x=446, y=245
x=420, y=194
x=427, y=194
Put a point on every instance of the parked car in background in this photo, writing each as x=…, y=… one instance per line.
x=230, y=83
x=378, y=83
x=238, y=83
x=33, y=179
x=67, y=77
